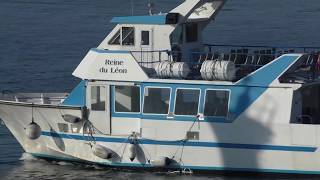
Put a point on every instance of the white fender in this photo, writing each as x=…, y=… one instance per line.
x=132, y=151
x=101, y=151
x=71, y=118
x=160, y=162
x=33, y=131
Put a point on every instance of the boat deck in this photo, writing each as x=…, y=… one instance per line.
x=35, y=98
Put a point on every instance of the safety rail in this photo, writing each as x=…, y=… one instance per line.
x=37, y=98
x=274, y=49
x=151, y=57
x=250, y=58
x=246, y=59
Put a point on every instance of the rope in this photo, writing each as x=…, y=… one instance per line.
x=132, y=138
x=32, y=118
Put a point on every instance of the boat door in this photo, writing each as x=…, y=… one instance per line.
x=98, y=102
x=146, y=44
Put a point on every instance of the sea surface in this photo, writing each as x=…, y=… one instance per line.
x=43, y=41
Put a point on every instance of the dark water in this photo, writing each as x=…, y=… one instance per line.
x=42, y=42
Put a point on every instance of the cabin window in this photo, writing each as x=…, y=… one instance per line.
x=187, y=102
x=156, y=100
x=216, y=103
x=145, y=38
x=191, y=32
x=98, y=98
x=115, y=40
x=127, y=99
x=127, y=36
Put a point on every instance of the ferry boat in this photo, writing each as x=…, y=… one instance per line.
x=153, y=95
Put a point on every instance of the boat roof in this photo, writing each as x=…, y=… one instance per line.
x=154, y=19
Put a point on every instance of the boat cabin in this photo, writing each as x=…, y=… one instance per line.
x=156, y=68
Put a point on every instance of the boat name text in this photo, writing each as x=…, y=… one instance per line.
x=114, y=66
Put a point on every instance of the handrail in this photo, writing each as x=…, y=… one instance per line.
x=264, y=46
x=151, y=51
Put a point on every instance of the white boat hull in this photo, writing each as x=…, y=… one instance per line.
x=196, y=155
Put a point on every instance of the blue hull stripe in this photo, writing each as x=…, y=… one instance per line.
x=203, y=168
x=190, y=143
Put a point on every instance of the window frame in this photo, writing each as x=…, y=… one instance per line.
x=105, y=100
x=112, y=37
x=142, y=38
x=114, y=99
x=120, y=29
x=204, y=103
x=157, y=87
x=134, y=36
x=175, y=101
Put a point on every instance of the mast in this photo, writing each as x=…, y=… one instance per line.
x=151, y=7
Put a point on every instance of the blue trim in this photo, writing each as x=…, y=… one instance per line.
x=190, y=143
x=173, y=87
x=109, y=51
x=267, y=74
x=156, y=117
x=77, y=96
x=202, y=168
x=154, y=19
x=244, y=96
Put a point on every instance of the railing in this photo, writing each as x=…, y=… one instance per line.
x=250, y=58
x=37, y=98
x=148, y=58
x=245, y=57
x=274, y=49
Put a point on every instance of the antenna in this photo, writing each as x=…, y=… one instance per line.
x=151, y=7
x=132, y=8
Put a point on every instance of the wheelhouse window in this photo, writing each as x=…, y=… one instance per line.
x=191, y=32
x=187, y=102
x=127, y=36
x=98, y=98
x=127, y=99
x=115, y=40
x=145, y=38
x=156, y=100
x=216, y=103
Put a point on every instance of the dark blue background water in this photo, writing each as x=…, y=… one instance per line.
x=42, y=42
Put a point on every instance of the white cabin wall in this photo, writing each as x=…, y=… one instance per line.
x=266, y=121
x=159, y=41
x=125, y=126
x=160, y=36
x=273, y=107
